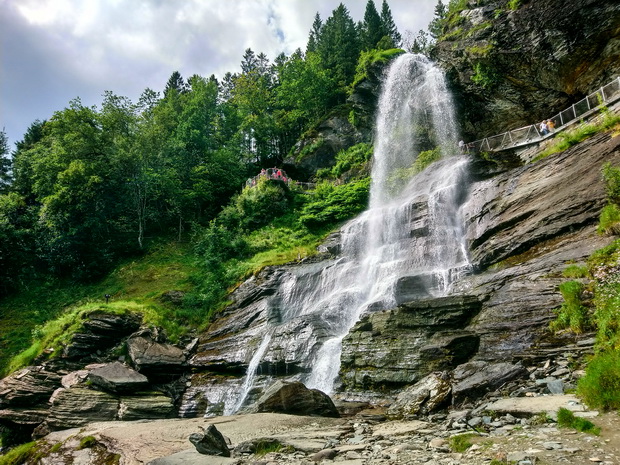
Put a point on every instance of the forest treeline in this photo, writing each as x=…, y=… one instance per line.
x=93, y=184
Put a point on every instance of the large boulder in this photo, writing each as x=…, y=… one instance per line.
x=391, y=349
x=145, y=407
x=294, y=398
x=152, y=357
x=210, y=442
x=427, y=395
x=28, y=386
x=100, y=331
x=118, y=378
x=473, y=380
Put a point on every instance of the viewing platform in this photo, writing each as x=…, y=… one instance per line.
x=278, y=174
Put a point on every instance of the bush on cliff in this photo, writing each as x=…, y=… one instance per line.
x=600, y=387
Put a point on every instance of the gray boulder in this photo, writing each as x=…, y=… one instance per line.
x=296, y=399
x=474, y=379
x=155, y=357
x=118, y=378
x=210, y=442
x=427, y=395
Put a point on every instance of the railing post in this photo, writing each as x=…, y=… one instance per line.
x=574, y=112
x=603, y=94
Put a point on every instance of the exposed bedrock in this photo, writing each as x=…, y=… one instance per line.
x=522, y=228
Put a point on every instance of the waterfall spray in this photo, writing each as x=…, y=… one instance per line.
x=408, y=244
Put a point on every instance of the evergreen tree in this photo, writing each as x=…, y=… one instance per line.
x=315, y=34
x=389, y=27
x=5, y=162
x=436, y=25
x=371, y=29
x=176, y=83
x=249, y=61
x=339, y=46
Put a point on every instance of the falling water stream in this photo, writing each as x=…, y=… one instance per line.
x=408, y=244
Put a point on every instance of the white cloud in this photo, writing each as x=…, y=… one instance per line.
x=54, y=50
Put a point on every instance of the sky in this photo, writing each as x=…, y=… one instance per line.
x=52, y=51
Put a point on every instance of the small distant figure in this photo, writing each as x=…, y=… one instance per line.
x=107, y=298
x=550, y=125
x=263, y=172
x=544, y=129
x=462, y=146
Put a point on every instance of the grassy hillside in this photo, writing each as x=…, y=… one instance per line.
x=268, y=224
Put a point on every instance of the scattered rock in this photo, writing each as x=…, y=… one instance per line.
x=210, y=442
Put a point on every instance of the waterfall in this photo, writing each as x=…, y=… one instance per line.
x=408, y=244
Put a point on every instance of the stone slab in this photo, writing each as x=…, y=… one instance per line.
x=398, y=428
x=192, y=457
x=534, y=405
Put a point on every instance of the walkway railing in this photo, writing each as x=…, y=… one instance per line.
x=531, y=134
x=278, y=174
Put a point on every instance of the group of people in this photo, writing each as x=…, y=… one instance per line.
x=269, y=173
x=547, y=126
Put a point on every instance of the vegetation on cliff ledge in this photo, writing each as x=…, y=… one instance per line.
x=592, y=300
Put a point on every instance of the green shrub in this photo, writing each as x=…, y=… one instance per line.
x=609, y=219
x=567, y=419
x=484, y=75
x=575, y=271
x=19, y=454
x=611, y=175
x=600, y=387
x=333, y=204
x=514, y=5
x=370, y=58
x=572, y=314
x=353, y=160
x=461, y=442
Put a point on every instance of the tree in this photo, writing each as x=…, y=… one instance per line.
x=389, y=27
x=315, y=34
x=435, y=28
x=339, y=46
x=420, y=43
x=5, y=163
x=371, y=30
x=175, y=83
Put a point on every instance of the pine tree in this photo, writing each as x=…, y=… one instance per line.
x=371, y=30
x=389, y=27
x=5, y=162
x=339, y=46
x=249, y=62
x=436, y=25
x=315, y=34
x=177, y=83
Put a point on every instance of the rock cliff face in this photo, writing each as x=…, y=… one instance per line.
x=523, y=227
x=511, y=68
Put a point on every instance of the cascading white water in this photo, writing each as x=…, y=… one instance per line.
x=408, y=243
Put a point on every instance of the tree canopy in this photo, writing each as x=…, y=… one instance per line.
x=94, y=184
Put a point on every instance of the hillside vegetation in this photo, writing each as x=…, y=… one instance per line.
x=135, y=199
